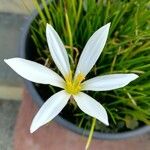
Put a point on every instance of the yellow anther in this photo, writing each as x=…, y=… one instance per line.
x=73, y=86
x=78, y=79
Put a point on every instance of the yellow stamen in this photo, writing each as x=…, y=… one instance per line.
x=73, y=86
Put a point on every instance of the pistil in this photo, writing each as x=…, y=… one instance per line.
x=73, y=86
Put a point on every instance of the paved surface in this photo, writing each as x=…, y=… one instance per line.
x=13, y=14
x=54, y=137
x=12, y=17
x=10, y=33
x=8, y=112
x=16, y=6
x=10, y=25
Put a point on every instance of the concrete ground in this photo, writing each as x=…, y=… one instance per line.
x=11, y=22
x=8, y=114
x=13, y=14
x=10, y=83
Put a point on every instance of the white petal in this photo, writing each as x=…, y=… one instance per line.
x=57, y=50
x=51, y=108
x=108, y=82
x=91, y=107
x=35, y=72
x=92, y=50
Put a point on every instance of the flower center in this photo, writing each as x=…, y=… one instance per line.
x=73, y=86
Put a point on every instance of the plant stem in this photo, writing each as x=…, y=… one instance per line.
x=69, y=33
x=74, y=7
x=91, y=133
x=114, y=60
x=107, y=12
x=37, y=6
x=78, y=14
x=46, y=10
x=131, y=98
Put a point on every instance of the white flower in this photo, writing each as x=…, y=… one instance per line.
x=72, y=86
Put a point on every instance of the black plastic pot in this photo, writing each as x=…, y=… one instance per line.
x=24, y=52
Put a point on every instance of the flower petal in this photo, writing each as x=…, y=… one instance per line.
x=108, y=82
x=92, y=50
x=51, y=108
x=57, y=50
x=35, y=72
x=91, y=107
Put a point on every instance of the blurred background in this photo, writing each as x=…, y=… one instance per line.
x=13, y=14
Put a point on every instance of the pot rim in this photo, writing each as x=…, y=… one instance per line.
x=36, y=97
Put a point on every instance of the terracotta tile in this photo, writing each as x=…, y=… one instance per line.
x=55, y=137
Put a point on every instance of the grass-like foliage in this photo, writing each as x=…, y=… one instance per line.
x=127, y=51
